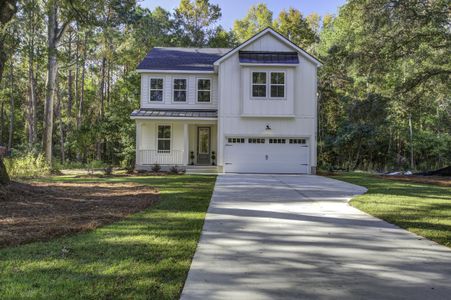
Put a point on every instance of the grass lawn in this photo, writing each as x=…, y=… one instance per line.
x=145, y=256
x=420, y=208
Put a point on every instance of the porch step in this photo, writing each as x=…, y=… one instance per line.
x=202, y=170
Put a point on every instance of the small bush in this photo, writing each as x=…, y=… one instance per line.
x=27, y=165
x=96, y=164
x=174, y=170
x=93, y=165
x=108, y=170
x=156, y=168
x=129, y=170
x=70, y=165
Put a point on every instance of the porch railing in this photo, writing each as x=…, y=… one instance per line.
x=150, y=157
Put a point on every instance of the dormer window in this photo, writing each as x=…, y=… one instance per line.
x=277, y=86
x=264, y=83
x=203, y=90
x=179, y=90
x=156, y=89
x=259, y=84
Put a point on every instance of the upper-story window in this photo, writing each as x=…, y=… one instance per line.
x=259, y=84
x=268, y=82
x=156, y=89
x=203, y=90
x=179, y=90
x=277, y=85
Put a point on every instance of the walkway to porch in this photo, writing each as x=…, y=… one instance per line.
x=210, y=170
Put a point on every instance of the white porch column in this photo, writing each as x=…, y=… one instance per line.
x=185, y=144
x=138, y=142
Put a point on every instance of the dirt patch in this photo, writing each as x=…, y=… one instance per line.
x=435, y=180
x=41, y=211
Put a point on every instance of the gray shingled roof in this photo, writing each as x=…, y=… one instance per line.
x=177, y=113
x=185, y=59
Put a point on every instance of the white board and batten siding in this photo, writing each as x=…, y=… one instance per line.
x=241, y=116
x=191, y=101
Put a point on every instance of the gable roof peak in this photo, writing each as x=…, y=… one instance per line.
x=277, y=35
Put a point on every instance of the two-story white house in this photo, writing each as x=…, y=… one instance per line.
x=251, y=109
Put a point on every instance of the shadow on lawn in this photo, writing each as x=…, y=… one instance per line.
x=144, y=256
x=377, y=185
x=422, y=208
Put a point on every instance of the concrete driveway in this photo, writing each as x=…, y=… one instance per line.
x=295, y=237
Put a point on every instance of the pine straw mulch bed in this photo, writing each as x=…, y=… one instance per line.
x=435, y=180
x=41, y=211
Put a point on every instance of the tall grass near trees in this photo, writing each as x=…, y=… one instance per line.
x=27, y=165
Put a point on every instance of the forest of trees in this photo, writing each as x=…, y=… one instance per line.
x=68, y=85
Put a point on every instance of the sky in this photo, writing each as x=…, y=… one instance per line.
x=237, y=9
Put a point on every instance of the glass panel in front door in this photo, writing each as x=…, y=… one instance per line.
x=204, y=140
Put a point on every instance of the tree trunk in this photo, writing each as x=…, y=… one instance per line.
x=4, y=177
x=11, y=110
x=61, y=125
x=82, y=85
x=69, y=80
x=412, y=166
x=2, y=122
x=82, y=88
x=102, y=89
x=99, y=143
x=77, y=68
x=54, y=34
x=357, y=158
x=108, y=88
x=52, y=69
x=388, y=155
x=8, y=9
x=32, y=102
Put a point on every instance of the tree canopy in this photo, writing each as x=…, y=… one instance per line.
x=384, y=88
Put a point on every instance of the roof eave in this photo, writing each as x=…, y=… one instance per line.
x=173, y=118
x=176, y=71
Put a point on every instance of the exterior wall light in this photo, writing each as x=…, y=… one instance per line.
x=268, y=127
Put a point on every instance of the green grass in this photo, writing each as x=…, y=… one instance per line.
x=146, y=256
x=420, y=208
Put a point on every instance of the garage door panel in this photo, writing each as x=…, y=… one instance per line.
x=266, y=158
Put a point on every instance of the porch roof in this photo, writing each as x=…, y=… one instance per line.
x=174, y=113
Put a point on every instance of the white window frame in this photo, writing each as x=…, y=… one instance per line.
x=236, y=140
x=258, y=141
x=151, y=89
x=197, y=89
x=174, y=90
x=277, y=141
x=277, y=84
x=268, y=84
x=259, y=84
x=297, y=141
x=164, y=139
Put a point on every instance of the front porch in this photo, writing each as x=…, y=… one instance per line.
x=179, y=143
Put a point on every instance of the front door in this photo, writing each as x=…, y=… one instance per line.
x=203, y=145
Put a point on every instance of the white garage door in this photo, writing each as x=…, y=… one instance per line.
x=266, y=155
